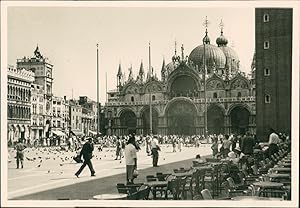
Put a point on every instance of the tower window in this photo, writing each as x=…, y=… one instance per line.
x=266, y=17
x=132, y=99
x=267, y=72
x=266, y=45
x=267, y=99
x=215, y=95
x=153, y=97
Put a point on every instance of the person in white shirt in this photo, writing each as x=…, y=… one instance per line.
x=131, y=159
x=154, y=150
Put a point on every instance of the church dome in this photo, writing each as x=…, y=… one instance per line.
x=222, y=40
x=232, y=59
x=213, y=56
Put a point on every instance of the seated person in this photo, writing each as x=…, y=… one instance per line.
x=198, y=160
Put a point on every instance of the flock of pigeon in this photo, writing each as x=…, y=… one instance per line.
x=47, y=156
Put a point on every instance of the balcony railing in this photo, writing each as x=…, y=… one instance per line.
x=196, y=100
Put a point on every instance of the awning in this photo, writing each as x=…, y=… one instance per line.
x=93, y=132
x=58, y=133
x=77, y=133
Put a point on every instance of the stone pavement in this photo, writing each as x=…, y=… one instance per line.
x=55, y=180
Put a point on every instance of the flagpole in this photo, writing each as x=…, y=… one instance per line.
x=204, y=62
x=97, y=90
x=150, y=99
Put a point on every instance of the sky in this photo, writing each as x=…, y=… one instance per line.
x=67, y=36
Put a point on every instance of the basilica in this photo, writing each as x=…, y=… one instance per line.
x=206, y=88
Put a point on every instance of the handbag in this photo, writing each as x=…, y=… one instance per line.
x=78, y=159
x=135, y=173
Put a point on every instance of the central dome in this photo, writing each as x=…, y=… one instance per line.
x=213, y=56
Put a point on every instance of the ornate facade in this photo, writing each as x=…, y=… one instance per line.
x=177, y=100
x=43, y=80
x=18, y=103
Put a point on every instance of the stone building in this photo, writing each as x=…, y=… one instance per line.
x=89, y=115
x=75, y=114
x=273, y=62
x=177, y=100
x=38, y=113
x=19, y=82
x=60, y=116
x=43, y=78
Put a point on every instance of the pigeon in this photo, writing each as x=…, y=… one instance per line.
x=48, y=171
x=39, y=166
x=61, y=164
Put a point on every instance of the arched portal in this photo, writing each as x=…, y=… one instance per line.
x=183, y=86
x=128, y=122
x=146, y=121
x=181, y=118
x=215, y=120
x=239, y=117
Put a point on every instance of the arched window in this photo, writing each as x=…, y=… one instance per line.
x=132, y=99
x=153, y=97
x=239, y=94
x=215, y=95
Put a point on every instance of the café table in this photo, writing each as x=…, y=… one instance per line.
x=255, y=198
x=156, y=184
x=261, y=185
x=183, y=174
x=285, y=164
x=281, y=170
x=279, y=175
x=207, y=167
x=110, y=196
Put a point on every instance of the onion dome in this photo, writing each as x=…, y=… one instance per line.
x=222, y=40
x=213, y=55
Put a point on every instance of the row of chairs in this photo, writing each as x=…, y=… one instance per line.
x=134, y=191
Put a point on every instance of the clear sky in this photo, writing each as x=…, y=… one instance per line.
x=68, y=37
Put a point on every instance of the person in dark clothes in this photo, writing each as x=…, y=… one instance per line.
x=20, y=146
x=87, y=153
x=248, y=144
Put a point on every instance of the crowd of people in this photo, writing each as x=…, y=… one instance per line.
x=237, y=148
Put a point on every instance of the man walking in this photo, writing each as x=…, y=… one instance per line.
x=131, y=159
x=154, y=149
x=20, y=153
x=87, y=153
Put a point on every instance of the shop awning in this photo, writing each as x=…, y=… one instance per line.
x=77, y=133
x=58, y=133
x=93, y=132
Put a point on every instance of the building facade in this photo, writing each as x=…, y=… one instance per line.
x=273, y=32
x=75, y=112
x=89, y=115
x=42, y=77
x=38, y=113
x=18, y=103
x=60, y=117
x=177, y=100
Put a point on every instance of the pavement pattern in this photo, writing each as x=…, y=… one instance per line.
x=50, y=176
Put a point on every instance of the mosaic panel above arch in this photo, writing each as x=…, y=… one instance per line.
x=239, y=84
x=214, y=85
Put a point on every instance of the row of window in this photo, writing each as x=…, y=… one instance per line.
x=18, y=112
x=18, y=93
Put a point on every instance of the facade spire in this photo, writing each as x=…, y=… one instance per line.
x=182, y=53
x=130, y=76
x=163, y=71
x=119, y=76
x=140, y=77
